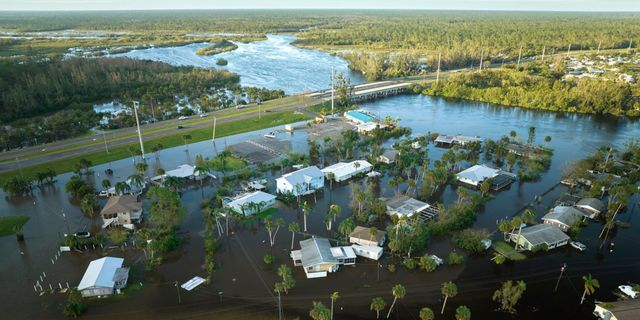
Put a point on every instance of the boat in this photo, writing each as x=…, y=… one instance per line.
x=271, y=135
x=578, y=245
x=436, y=259
x=628, y=291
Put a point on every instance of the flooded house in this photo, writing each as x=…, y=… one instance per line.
x=346, y=170
x=318, y=258
x=251, y=203
x=476, y=175
x=407, y=207
x=446, y=141
x=563, y=217
x=592, y=206
x=103, y=277
x=122, y=210
x=301, y=182
x=367, y=243
x=389, y=156
x=533, y=237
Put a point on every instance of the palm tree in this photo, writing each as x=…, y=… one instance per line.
x=590, y=285
x=449, y=289
x=122, y=188
x=346, y=226
x=398, y=292
x=426, y=314
x=319, y=312
x=305, y=212
x=331, y=176
x=173, y=183
x=373, y=233
x=136, y=180
x=293, y=228
x=504, y=226
x=201, y=170
x=142, y=167
x=88, y=204
x=378, y=304
x=332, y=214
x=463, y=313
x=106, y=184
x=334, y=296
x=185, y=140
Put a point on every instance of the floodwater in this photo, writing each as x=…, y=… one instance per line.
x=273, y=63
x=242, y=285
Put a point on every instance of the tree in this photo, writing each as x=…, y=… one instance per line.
x=426, y=314
x=319, y=312
x=505, y=227
x=427, y=264
x=166, y=211
x=590, y=285
x=331, y=176
x=273, y=228
x=398, y=292
x=547, y=139
x=463, y=313
x=509, y=294
x=531, y=135
x=449, y=290
x=485, y=187
x=332, y=214
x=74, y=306
x=294, y=227
x=136, y=180
x=88, y=204
x=122, y=187
x=18, y=186
x=141, y=167
x=117, y=236
x=185, y=139
x=346, y=227
x=334, y=296
x=106, y=184
x=377, y=304
x=306, y=209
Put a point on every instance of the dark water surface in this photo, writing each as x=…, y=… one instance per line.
x=242, y=286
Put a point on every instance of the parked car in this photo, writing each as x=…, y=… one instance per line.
x=203, y=115
x=578, y=245
x=82, y=234
x=180, y=127
x=183, y=118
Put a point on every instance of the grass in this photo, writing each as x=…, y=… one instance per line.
x=9, y=224
x=121, y=152
x=259, y=217
x=506, y=250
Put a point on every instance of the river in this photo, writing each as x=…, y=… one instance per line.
x=273, y=63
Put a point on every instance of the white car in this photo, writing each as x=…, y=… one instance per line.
x=183, y=118
x=628, y=291
x=203, y=115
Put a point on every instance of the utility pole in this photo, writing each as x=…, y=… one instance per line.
x=564, y=266
x=135, y=111
x=519, y=56
x=569, y=50
x=481, y=58
x=438, y=71
x=332, y=91
x=279, y=306
x=378, y=267
x=213, y=135
x=599, y=43
x=178, y=290
x=104, y=137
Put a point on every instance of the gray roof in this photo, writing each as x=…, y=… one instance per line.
x=316, y=251
x=594, y=203
x=390, y=154
x=566, y=215
x=303, y=176
x=625, y=309
x=543, y=233
x=406, y=205
x=363, y=233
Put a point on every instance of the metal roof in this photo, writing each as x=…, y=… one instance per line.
x=543, y=233
x=316, y=251
x=255, y=197
x=405, y=205
x=342, y=169
x=565, y=215
x=303, y=176
x=594, y=203
x=478, y=173
x=101, y=273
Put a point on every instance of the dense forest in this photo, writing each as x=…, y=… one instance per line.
x=537, y=88
x=41, y=102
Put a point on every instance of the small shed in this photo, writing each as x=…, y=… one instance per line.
x=103, y=276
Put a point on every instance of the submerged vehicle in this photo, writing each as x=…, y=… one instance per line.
x=578, y=245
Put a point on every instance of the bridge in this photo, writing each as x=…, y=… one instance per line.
x=367, y=91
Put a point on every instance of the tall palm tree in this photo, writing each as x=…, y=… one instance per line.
x=334, y=296
x=590, y=285
x=373, y=233
x=294, y=227
x=141, y=167
x=398, y=292
x=377, y=304
x=504, y=226
x=305, y=212
x=449, y=289
x=185, y=139
x=122, y=187
x=426, y=314
x=136, y=180
x=106, y=184
x=332, y=214
x=319, y=312
x=346, y=227
x=463, y=313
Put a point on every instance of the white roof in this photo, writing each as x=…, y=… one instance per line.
x=183, y=171
x=373, y=249
x=302, y=176
x=191, y=284
x=342, y=252
x=345, y=168
x=255, y=197
x=100, y=273
x=478, y=173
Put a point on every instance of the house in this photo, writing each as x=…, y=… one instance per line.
x=368, y=127
x=618, y=310
x=184, y=171
x=103, y=276
x=533, y=237
x=251, y=203
x=362, y=236
x=345, y=170
x=134, y=189
x=122, y=210
x=369, y=252
x=359, y=117
x=563, y=217
x=477, y=174
x=301, y=182
x=594, y=207
x=389, y=156
x=404, y=206
x=448, y=140
x=318, y=258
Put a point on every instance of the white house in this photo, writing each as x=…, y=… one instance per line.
x=477, y=174
x=122, y=210
x=301, y=182
x=404, y=206
x=345, y=170
x=252, y=203
x=103, y=276
x=184, y=171
x=317, y=257
x=369, y=252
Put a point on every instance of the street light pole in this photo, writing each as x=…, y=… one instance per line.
x=178, y=290
x=564, y=266
x=135, y=111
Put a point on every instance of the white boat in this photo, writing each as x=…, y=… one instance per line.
x=628, y=291
x=271, y=135
x=578, y=245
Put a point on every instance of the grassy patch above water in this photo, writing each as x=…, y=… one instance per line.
x=9, y=224
x=506, y=250
x=259, y=217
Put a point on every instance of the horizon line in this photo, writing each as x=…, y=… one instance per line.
x=326, y=9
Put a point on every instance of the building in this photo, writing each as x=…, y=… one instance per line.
x=121, y=211
x=592, y=206
x=533, y=237
x=404, y=206
x=103, y=277
x=359, y=117
x=251, y=203
x=563, y=217
x=477, y=174
x=301, y=182
x=389, y=156
x=134, y=189
x=369, y=252
x=345, y=170
x=184, y=171
x=362, y=236
x=448, y=140
x=318, y=257
x=618, y=310
x=368, y=127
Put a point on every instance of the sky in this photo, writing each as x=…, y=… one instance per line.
x=524, y=5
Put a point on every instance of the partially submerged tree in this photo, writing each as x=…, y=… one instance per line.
x=509, y=294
